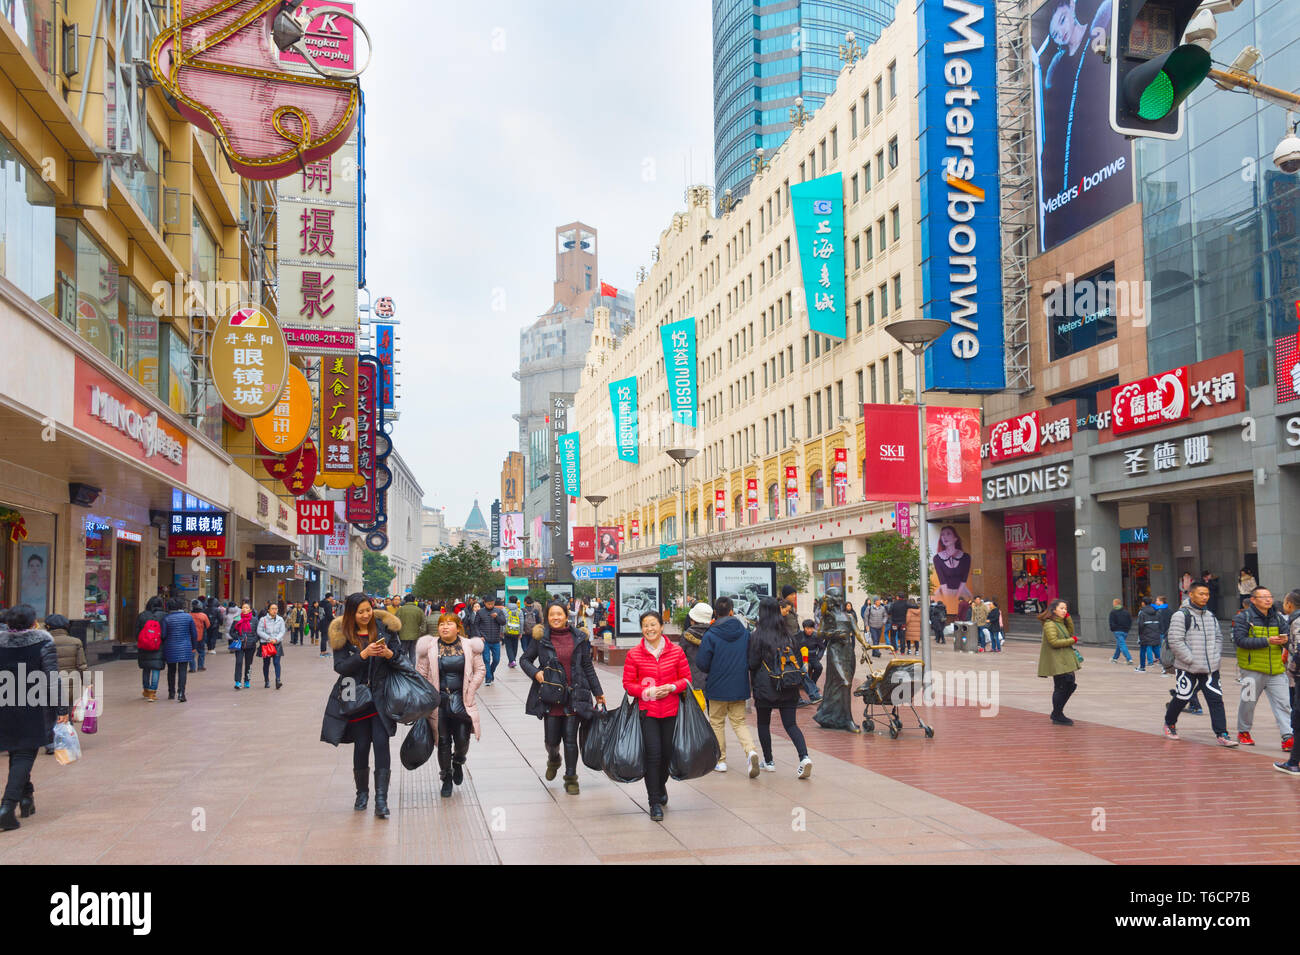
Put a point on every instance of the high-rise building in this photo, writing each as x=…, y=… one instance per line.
x=765, y=55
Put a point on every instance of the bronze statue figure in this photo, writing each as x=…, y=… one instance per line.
x=840, y=634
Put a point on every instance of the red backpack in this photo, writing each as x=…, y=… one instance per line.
x=150, y=636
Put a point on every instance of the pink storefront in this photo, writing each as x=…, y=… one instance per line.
x=1031, y=559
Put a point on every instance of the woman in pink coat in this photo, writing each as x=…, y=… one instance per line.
x=453, y=662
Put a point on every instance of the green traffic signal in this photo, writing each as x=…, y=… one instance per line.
x=1159, y=86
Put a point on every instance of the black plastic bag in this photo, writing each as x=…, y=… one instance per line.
x=695, y=746
x=623, y=756
x=593, y=734
x=419, y=744
x=407, y=696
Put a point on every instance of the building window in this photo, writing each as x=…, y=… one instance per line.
x=893, y=153
x=871, y=309
x=819, y=414
x=880, y=164
x=871, y=253
x=204, y=259
x=857, y=253
x=853, y=122
x=807, y=413
x=861, y=395
x=839, y=396
x=817, y=346
x=27, y=230
x=884, y=377
x=893, y=81
x=898, y=293
x=884, y=302
x=773, y=501
x=880, y=228
x=818, y=488
x=857, y=315
x=898, y=364
x=897, y=220
x=855, y=187
x=880, y=96
x=866, y=177
x=807, y=353
x=835, y=143
x=872, y=370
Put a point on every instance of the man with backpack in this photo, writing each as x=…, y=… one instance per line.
x=532, y=619
x=1148, y=627
x=1197, y=645
x=898, y=621
x=1259, y=633
x=514, y=627
x=414, y=625
x=724, y=657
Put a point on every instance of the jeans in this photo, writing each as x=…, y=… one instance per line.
x=244, y=662
x=491, y=657
x=1185, y=687
x=720, y=711
x=984, y=635
x=557, y=729
x=1253, y=685
x=200, y=656
x=211, y=639
x=658, y=735
x=1145, y=651
x=512, y=648
x=296, y=636
x=366, y=735
x=995, y=640
x=266, y=668
x=1121, y=645
x=1063, y=687
x=791, y=729
x=875, y=635
x=19, y=783
x=176, y=674
x=149, y=679
x=408, y=646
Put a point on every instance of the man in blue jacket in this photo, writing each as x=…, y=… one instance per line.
x=724, y=657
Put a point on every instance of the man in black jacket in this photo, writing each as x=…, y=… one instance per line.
x=1120, y=622
x=898, y=621
x=489, y=621
x=816, y=646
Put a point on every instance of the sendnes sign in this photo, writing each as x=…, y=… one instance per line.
x=960, y=205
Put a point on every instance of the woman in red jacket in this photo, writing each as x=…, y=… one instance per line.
x=655, y=672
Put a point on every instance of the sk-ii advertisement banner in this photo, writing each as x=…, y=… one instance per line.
x=961, y=258
x=679, y=364
x=622, y=399
x=571, y=464
x=819, y=226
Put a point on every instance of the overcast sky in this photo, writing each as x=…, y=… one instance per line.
x=489, y=124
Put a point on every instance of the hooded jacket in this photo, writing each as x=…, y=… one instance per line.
x=1057, y=656
x=724, y=657
x=1195, y=640
x=1148, y=624
x=584, y=684
x=27, y=722
x=1250, y=632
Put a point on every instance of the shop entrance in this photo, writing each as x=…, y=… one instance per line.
x=1135, y=567
x=127, y=590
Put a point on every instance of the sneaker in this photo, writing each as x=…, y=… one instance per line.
x=1062, y=720
x=1291, y=769
x=1116, y=660
x=769, y=765
x=245, y=684
x=1226, y=740
x=1245, y=740
x=1171, y=733
x=752, y=759
x=805, y=768
x=1139, y=669
x=1195, y=710
x=720, y=768
x=512, y=664
x=1287, y=743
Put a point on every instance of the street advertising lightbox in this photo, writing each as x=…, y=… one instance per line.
x=840, y=476
x=315, y=517
x=960, y=215
x=678, y=340
x=623, y=403
x=791, y=489
x=1286, y=361
x=285, y=426
x=1036, y=432
x=249, y=361
x=584, y=543
x=384, y=350
x=336, y=543
x=1204, y=391
x=362, y=500
x=607, y=539
x=751, y=498
x=891, y=471
x=952, y=454
x=818, y=207
x=338, y=421
x=197, y=533
x=512, y=532
x=571, y=463
x=720, y=507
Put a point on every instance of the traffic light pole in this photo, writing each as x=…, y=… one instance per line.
x=1236, y=79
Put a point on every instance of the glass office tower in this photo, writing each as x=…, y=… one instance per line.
x=764, y=55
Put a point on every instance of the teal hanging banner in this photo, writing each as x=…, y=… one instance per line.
x=679, y=365
x=622, y=399
x=571, y=464
x=819, y=226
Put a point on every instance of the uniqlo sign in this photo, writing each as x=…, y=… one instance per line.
x=1015, y=437
x=1150, y=402
x=315, y=517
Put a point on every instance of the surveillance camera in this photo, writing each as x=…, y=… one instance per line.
x=1078, y=532
x=1287, y=155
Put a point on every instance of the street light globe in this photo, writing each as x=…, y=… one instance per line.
x=849, y=37
x=760, y=152
x=798, y=102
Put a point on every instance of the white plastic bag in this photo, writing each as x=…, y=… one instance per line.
x=67, y=748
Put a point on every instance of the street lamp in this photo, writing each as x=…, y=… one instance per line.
x=917, y=334
x=850, y=52
x=759, y=165
x=798, y=115
x=595, y=500
x=683, y=457
x=527, y=573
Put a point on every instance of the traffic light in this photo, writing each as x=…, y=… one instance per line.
x=1152, y=72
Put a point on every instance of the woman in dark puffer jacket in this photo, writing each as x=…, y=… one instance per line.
x=150, y=662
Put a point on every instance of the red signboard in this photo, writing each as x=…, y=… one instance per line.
x=891, y=471
x=1206, y=390
x=1150, y=402
x=303, y=474
x=1286, y=353
x=1044, y=431
x=315, y=517
x=952, y=454
x=362, y=500
x=620, y=532
x=584, y=543
x=321, y=340
x=751, y=494
x=195, y=545
x=338, y=416
x=720, y=503
x=104, y=410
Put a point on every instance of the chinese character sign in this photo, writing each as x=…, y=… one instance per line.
x=819, y=227
x=1015, y=437
x=249, y=361
x=679, y=365
x=197, y=532
x=1150, y=402
x=336, y=543
x=362, y=500
x=285, y=426
x=338, y=421
x=751, y=498
x=571, y=464
x=384, y=352
x=622, y=400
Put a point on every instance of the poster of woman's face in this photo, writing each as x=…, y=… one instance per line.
x=951, y=562
x=34, y=585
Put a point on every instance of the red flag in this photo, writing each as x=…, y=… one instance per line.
x=607, y=289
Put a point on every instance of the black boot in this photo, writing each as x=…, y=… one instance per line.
x=381, y=792
x=552, y=763
x=458, y=771
x=446, y=785
x=8, y=820
x=27, y=802
x=362, y=778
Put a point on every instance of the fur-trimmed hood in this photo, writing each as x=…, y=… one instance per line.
x=337, y=639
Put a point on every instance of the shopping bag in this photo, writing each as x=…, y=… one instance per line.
x=418, y=745
x=90, y=720
x=407, y=696
x=623, y=756
x=695, y=746
x=67, y=748
x=268, y=650
x=592, y=736
x=79, y=710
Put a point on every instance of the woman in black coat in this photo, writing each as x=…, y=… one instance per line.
x=766, y=644
x=25, y=728
x=150, y=662
x=561, y=650
x=366, y=646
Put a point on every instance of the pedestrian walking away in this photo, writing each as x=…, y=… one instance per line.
x=414, y=625
x=179, y=639
x=366, y=649
x=1120, y=622
x=453, y=662
x=202, y=623
x=1197, y=646
x=1148, y=627
x=513, y=630
x=270, y=643
x=488, y=622
x=655, y=671
x=149, y=654
x=72, y=659
x=698, y=620
x=994, y=626
x=771, y=657
x=26, y=724
x=1260, y=634
x=565, y=690
x=724, y=658
x=1057, y=658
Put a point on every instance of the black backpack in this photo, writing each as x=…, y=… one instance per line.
x=788, y=674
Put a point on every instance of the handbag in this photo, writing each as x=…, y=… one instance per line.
x=1078, y=656
x=357, y=699
x=455, y=701
x=268, y=650
x=553, y=690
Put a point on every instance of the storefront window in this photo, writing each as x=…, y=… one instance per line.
x=204, y=264
x=99, y=573
x=26, y=229
x=136, y=311
x=180, y=372
x=33, y=21
x=818, y=488
x=89, y=282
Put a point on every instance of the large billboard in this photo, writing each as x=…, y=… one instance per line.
x=1085, y=168
x=961, y=269
x=818, y=207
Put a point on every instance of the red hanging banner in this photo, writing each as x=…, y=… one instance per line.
x=892, y=461
x=584, y=543
x=362, y=500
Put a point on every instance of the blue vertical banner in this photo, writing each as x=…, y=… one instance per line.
x=961, y=238
x=622, y=400
x=571, y=464
x=818, y=206
x=384, y=352
x=679, y=365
